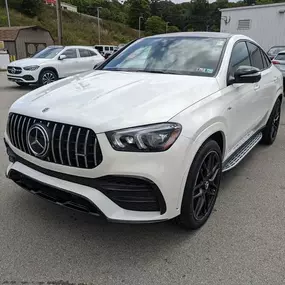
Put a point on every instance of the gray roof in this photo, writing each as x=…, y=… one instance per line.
x=253, y=7
x=196, y=34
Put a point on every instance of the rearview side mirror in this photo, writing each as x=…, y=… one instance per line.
x=246, y=74
x=62, y=57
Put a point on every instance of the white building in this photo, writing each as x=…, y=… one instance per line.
x=263, y=23
x=69, y=7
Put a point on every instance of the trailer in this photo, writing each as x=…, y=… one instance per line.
x=263, y=23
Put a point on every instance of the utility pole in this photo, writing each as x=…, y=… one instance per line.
x=59, y=21
x=166, y=26
x=7, y=11
x=98, y=18
x=140, y=18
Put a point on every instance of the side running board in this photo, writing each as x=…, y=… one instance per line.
x=238, y=156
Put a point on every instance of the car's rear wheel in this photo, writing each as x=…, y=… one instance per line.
x=47, y=76
x=269, y=134
x=202, y=186
x=23, y=83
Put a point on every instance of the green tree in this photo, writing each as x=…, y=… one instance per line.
x=31, y=7
x=136, y=9
x=172, y=29
x=154, y=25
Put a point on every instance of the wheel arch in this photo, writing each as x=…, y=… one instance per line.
x=217, y=132
x=51, y=69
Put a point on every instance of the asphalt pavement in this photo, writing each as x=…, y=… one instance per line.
x=243, y=242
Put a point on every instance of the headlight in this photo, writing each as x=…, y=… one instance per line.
x=32, y=67
x=151, y=138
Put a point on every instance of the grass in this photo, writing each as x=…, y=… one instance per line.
x=77, y=29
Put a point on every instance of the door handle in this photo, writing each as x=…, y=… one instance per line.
x=275, y=79
x=256, y=87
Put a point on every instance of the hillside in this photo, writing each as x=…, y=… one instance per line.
x=77, y=29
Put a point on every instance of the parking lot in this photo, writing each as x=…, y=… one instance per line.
x=242, y=243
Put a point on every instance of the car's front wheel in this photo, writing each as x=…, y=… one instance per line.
x=47, y=76
x=202, y=186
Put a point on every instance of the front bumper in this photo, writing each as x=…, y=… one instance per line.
x=166, y=172
x=24, y=77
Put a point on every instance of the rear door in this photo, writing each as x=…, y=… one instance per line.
x=88, y=59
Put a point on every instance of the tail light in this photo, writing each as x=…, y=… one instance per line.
x=275, y=62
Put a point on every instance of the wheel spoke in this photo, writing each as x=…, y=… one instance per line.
x=198, y=186
x=198, y=195
x=200, y=205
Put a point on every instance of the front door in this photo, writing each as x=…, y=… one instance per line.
x=241, y=109
x=69, y=65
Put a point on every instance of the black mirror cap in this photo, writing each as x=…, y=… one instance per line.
x=247, y=74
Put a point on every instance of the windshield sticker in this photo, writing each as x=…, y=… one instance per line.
x=205, y=70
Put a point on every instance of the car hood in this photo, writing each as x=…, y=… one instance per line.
x=109, y=100
x=28, y=61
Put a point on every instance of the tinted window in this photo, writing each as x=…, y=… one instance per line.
x=107, y=48
x=70, y=53
x=99, y=48
x=280, y=56
x=111, y=48
x=255, y=55
x=239, y=57
x=84, y=53
x=175, y=55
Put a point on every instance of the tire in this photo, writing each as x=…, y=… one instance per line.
x=201, y=185
x=270, y=132
x=47, y=76
x=22, y=84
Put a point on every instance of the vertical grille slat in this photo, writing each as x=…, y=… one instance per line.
x=85, y=148
x=71, y=146
x=15, y=131
x=18, y=133
x=60, y=144
x=22, y=135
x=52, y=143
x=67, y=149
x=76, y=147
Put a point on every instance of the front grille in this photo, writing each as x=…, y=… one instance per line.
x=14, y=70
x=132, y=193
x=55, y=195
x=68, y=145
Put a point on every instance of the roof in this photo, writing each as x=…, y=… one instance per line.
x=253, y=7
x=11, y=33
x=196, y=34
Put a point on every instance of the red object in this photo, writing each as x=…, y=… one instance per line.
x=275, y=62
x=50, y=2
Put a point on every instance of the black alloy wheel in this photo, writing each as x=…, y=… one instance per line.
x=202, y=186
x=206, y=186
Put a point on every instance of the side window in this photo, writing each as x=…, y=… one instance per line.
x=84, y=53
x=92, y=53
x=266, y=61
x=70, y=53
x=106, y=48
x=239, y=57
x=111, y=48
x=255, y=55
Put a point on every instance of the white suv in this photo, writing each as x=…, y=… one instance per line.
x=52, y=63
x=145, y=138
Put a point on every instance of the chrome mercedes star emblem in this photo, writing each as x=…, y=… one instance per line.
x=207, y=184
x=13, y=70
x=38, y=140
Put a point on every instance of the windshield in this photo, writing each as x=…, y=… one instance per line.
x=172, y=55
x=48, y=52
x=276, y=50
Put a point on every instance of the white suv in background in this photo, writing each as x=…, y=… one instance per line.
x=52, y=63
